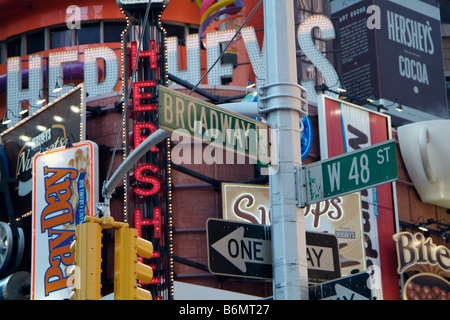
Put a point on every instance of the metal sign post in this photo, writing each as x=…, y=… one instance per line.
x=284, y=102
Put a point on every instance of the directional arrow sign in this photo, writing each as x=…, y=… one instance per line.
x=354, y=287
x=245, y=250
x=357, y=170
x=239, y=249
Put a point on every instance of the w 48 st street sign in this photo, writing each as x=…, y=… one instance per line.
x=354, y=171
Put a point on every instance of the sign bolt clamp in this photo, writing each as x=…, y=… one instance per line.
x=283, y=95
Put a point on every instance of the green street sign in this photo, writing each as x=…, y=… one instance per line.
x=206, y=122
x=350, y=172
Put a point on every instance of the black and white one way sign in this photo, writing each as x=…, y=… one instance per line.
x=245, y=250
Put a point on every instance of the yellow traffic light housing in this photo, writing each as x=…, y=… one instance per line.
x=87, y=247
x=127, y=269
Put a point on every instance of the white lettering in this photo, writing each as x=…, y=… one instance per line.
x=111, y=72
x=414, y=70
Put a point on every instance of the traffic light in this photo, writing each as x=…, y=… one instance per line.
x=87, y=247
x=127, y=269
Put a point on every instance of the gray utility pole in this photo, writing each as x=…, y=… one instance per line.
x=285, y=103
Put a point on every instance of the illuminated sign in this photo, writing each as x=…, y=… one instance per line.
x=256, y=55
x=149, y=192
x=340, y=216
x=65, y=188
x=306, y=136
x=318, y=59
x=49, y=128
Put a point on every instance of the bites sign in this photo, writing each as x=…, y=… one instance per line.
x=340, y=216
x=65, y=187
x=429, y=263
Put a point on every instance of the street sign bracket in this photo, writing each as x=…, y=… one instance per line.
x=300, y=186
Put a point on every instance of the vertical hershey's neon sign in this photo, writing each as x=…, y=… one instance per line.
x=148, y=197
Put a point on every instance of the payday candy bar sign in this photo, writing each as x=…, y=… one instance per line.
x=65, y=187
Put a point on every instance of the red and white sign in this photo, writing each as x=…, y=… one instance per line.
x=65, y=187
x=345, y=127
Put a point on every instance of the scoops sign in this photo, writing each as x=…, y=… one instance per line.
x=64, y=193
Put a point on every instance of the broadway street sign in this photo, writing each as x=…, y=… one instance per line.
x=245, y=250
x=350, y=172
x=203, y=121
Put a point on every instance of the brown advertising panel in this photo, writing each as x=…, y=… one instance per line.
x=392, y=52
x=50, y=127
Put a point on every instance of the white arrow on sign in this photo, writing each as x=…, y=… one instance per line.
x=343, y=293
x=239, y=249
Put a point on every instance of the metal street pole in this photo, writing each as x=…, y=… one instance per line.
x=284, y=102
